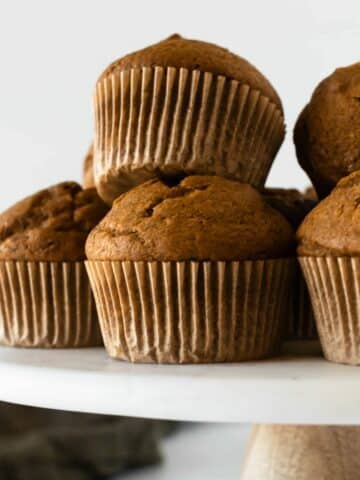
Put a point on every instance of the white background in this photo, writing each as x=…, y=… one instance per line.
x=51, y=53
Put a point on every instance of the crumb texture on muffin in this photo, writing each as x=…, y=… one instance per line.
x=51, y=225
x=333, y=227
x=179, y=52
x=200, y=218
x=327, y=132
x=291, y=203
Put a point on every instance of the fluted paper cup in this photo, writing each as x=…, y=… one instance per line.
x=190, y=312
x=154, y=121
x=334, y=286
x=47, y=304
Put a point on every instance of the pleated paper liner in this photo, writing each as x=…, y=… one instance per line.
x=191, y=312
x=47, y=304
x=301, y=335
x=334, y=286
x=174, y=121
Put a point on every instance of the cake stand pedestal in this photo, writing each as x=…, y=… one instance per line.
x=296, y=452
x=286, y=394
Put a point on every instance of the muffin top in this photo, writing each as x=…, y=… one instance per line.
x=88, y=169
x=291, y=203
x=176, y=51
x=333, y=227
x=51, y=225
x=327, y=132
x=201, y=218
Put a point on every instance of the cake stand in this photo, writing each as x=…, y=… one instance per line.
x=285, y=396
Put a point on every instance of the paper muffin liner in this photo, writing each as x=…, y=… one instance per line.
x=190, y=312
x=174, y=120
x=334, y=286
x=47, y=304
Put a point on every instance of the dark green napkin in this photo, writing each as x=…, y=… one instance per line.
x=37, y=444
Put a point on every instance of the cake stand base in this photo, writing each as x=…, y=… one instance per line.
x=294, y=452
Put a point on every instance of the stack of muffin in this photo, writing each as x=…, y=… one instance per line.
x=327, y=139
x=195, y=260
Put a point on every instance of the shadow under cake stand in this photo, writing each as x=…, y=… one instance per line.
x=285, y=397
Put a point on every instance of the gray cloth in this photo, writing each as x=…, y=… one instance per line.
x=37, y=444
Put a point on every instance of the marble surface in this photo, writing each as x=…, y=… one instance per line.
x=296, y=390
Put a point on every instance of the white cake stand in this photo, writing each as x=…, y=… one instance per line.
x=280, y=392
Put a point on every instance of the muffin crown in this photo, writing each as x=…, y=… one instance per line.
x=333, y=227
x=51, y=225
x=201, y=218
x=176, y=51
x=327, y=131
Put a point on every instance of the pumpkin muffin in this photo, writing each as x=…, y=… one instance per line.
x=329, y=251
x=300, y=326
x=327, y=133
x=291, y=203
x=45, y=297
x=183, y=107
x=191, y=272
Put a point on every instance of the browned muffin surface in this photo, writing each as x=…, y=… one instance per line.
x=333, y=227
x=180, y=52
x=201, y=218
x=291, y=203
x=51, y=225
x=327, y=132
x=88, y=169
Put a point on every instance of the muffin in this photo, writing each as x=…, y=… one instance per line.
x=191, y=272
x=327, y=131
x=310, y=193
x=300, y=325
x=88, y=169
x=45, y=296
x=183, y=107
x=291, y=203
x=329, y=251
